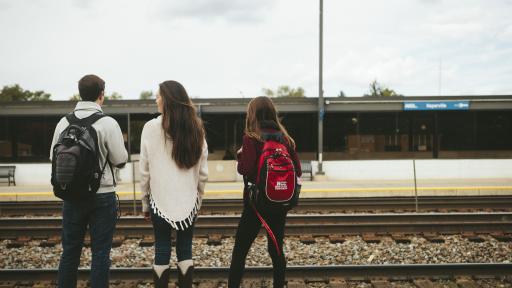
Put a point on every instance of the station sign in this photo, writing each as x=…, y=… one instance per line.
x=436, y=105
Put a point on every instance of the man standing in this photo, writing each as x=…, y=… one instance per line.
x=99, y=213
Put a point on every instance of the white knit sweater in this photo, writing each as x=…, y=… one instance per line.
x=174, y=194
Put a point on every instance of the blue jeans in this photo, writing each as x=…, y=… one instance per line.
x=100, y=215
x=162, y=230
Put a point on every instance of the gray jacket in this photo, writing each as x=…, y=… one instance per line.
x=110, y=141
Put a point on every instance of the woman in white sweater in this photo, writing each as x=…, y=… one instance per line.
x=173, y=154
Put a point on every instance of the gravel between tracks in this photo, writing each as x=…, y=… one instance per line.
x=354, y=250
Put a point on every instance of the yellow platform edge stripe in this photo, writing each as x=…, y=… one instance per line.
x=311, y=190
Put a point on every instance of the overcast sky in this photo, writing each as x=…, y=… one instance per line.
x=234, y=48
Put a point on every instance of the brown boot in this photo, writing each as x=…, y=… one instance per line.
x=185, y=280
x=163, y=280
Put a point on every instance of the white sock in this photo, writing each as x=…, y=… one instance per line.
x=159, y=269
x=184, y=265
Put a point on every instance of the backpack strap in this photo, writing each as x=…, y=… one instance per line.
x=276, y=136
x=269, y=230
x=263, y=222
x=111, y=170
x=87, y=121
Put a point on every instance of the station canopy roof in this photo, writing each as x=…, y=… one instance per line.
x=284, y=104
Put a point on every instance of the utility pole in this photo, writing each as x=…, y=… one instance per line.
x=321, y=109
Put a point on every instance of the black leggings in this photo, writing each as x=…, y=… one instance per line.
x=248, y=229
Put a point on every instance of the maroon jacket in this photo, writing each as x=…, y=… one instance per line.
x=251, y=151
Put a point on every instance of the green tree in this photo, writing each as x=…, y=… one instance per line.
x=146, y=95
x=378, y=90
x=284, y=91
x=16, y=93
x=114, y=96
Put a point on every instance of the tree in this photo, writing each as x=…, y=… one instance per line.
x=341, y=94
x=114, y=96
x=378, y=90
x=284, y=91
x=16, y=93
x=146, y=95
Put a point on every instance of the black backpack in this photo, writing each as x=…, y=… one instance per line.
x=76, y=172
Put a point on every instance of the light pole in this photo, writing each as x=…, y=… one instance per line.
x=321, y=111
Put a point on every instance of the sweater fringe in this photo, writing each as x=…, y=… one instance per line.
x=178, y=225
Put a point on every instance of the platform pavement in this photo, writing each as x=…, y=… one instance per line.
x=347, y=188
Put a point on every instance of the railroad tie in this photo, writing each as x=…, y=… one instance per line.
x=214, y=239
x=50, y=242
x=336, y=238
x=472, y=237
x=400, y=238
x=502, y=237
x=8, y=284
x=87, y=240
x=295, y=284
x=210, y=284
x=337, y=283
x=307, y=239
x=466, y=282
x=128, y=284
x=117, y=241
x=147, y=241
x=19, y=242
x=423, y=283
x=43, y=284
x=370, y=238
x=433, y=237
x=381, y=283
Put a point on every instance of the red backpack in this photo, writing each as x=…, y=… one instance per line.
x=276, y=184
x=276, y=176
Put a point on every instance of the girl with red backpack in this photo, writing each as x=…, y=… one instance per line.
x=267, y=151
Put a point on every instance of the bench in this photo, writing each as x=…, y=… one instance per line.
x=306, y=169
x=8, y=172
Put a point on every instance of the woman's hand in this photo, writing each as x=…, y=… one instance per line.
x=147, y=217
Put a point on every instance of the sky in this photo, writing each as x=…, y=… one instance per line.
x=235, y=48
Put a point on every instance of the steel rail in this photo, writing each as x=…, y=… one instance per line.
x=332, y=205
x=318, y=273
x=296, y=224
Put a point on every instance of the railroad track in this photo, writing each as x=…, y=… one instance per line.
x=331, y=205
x=305, y=273
x=297, y=224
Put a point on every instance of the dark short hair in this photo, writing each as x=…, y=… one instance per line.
x=90, y=87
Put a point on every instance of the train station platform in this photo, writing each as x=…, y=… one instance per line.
x=310, y=189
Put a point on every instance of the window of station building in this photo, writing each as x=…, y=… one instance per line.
x=421, y=133
x=303, y=128
x=339, y=132
x=493, y=133
x=378, y=133
x=5, y=140
x=363, y=135
x=122, y=120
x=224, y=134
x=456, y=134
x=137, y=122
x=31, y=137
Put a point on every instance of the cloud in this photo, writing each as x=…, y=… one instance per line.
x=206, y=10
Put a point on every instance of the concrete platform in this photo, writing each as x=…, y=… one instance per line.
x=352, y=188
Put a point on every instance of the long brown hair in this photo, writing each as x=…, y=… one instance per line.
x=181, y=123
x=261, y=109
